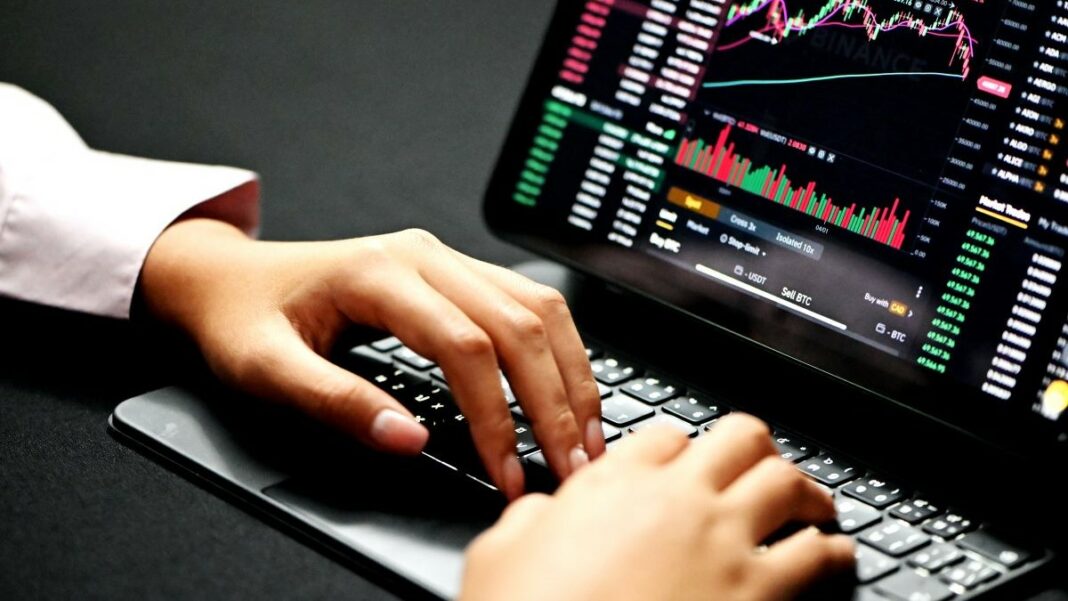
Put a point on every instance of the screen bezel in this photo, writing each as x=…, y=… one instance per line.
x=792, y=338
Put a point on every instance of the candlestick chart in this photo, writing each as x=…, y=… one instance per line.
x=882, y=80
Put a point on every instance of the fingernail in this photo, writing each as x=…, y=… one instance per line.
x=396, y=432
x=595, y=437
x=578, y=458
x=512, y=474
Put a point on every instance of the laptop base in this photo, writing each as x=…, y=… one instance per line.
x=401, y=521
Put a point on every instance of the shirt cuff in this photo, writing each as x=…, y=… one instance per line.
x=76, y=236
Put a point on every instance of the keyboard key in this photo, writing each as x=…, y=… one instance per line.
x=426, y=394
x=875, y=492
x=970, y=574
x=364, y=362
x=694, y=409
x=915, y=511
x=854, y=515
x=895, y=538
x=665, y=420
x=992, y=547
x=362, y=358
x=936, y=557
x=432, y=406
x=538, y=459
x=828, y=470
x=650, y=390
x=606, y=391
x=949, y=526
x=524, y=439
x=438, y=374
x=413, y=359
x=612, y=371
x=791, y=448
x=622, y=411
x=907, y=585
x=610, y=432
x=872, y=565
x=866, y=593
x=710, y=425
x=539, y=476
x=386, y=344
x=509, y=396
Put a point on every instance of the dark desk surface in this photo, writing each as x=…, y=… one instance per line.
x=362, y=117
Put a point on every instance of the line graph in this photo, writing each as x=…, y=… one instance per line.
x=781, y=24
x=802, y=80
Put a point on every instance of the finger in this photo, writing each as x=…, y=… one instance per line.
x=567, y=348
x=403, y=303
x=522, y=343
x=800, y=560
x=734, y=445
x=287, y=370
x=773, y=493
x=653, y=446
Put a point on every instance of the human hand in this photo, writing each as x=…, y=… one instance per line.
x=264, y=314
x=659, y=518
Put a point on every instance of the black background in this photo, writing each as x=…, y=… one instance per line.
x=361, y=116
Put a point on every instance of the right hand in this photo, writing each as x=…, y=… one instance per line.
x=659, y=518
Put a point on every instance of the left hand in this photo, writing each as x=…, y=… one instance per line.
x=264, y=314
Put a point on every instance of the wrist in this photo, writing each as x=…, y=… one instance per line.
x=185, y=265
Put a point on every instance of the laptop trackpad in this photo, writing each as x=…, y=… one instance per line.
x=411, y=526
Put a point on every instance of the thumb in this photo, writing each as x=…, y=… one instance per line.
x=287, y=370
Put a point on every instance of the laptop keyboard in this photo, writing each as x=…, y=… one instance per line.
x=910, y=548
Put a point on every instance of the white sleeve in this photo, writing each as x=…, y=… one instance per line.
x=76, y=224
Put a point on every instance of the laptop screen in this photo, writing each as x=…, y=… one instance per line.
x=876, y=188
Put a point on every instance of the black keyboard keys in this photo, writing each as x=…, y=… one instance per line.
x=895, y=538
x=509, y=395
x=612, y=371
x=610, y=432
x=828, y=470
x=970, y=574
x=854, y=515
x=438, y=374
x=651, y=390
x=915, y=511
x=432, y=406
x=949, y=526
x=694, y=409
x=412, y=359
x=872, y=565
x=936, y=557
x=791, y=448
x=992, y=547
x=875, y=492
x=524, y=439
x=907, y=585
x=622, y=411
x=386, y=344
x=366, y=363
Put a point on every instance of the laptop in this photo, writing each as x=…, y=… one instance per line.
x=846, y=217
